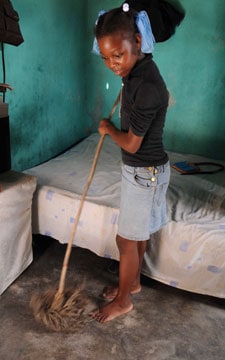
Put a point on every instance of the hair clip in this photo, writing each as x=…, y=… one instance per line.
x=126, y=7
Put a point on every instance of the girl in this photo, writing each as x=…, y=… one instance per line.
x=124, y=40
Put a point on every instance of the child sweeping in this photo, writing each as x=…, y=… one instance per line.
x=125, y=41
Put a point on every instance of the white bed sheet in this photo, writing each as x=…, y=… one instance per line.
x=188, y=253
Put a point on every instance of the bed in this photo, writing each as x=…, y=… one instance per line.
x=188, y=253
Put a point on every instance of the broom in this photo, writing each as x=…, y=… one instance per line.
x=63, y=309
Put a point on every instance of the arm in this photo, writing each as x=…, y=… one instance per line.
x=126, y=140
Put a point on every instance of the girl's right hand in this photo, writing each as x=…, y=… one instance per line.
x=104, y=127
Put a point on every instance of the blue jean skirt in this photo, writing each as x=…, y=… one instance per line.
x=143, y=209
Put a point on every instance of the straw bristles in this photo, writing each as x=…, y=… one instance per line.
x=60, y=312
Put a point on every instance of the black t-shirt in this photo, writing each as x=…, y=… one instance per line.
x=143, y=109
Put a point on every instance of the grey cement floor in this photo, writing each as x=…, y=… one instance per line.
x=166, y=323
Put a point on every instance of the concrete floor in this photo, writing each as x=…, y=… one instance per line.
x=166, y=323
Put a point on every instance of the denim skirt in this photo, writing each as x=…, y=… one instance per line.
x=143, y=209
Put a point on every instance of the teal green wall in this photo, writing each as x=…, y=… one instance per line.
x=192, y=64
x=46, y=107
x=61, y=90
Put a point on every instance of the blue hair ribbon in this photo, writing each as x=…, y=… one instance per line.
x=144, y=28
x=95, y=48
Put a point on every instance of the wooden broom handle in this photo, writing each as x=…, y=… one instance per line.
x=86, y=188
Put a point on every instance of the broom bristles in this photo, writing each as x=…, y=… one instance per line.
x=60, y=312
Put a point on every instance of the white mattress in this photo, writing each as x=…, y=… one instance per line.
x=189, y=253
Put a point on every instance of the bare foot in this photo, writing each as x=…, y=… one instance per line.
x=111, y=311
x=110, y=292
